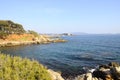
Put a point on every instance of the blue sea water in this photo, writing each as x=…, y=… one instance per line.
x=70, y=57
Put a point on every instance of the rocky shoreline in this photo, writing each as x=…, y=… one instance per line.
x=110, y=71
x=17, y=43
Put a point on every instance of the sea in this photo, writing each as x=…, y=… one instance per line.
x=71, y=58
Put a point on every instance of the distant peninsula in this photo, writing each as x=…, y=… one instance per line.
x=12, y=34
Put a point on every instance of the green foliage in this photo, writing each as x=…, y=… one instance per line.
x=33, y=32
x=10, y=27
x=16, y=68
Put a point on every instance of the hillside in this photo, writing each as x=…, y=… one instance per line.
x=10, y=27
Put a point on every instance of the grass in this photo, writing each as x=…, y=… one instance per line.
x=16, y=68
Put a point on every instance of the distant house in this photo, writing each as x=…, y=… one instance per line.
x=67, y=34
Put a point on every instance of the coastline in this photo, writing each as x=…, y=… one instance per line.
x=27, y=39
x=90, y=75
x=18, y=43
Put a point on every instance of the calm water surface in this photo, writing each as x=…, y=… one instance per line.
x=70, y=57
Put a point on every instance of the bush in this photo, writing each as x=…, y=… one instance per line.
x=16, y=68
x=11, y=28
x=33, y=32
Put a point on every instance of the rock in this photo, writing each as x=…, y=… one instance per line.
x=55, y=75
x=80, y=77
x=59, y=40
x=94, y=78
x=107, y=71
x=114, y=64
x=108, y=77
x=115, y=71
x=88, y=76
x=104, y=72
x=99, y=74
x=104, y=66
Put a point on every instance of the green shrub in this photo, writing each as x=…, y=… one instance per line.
x=16, y=68
x=33, y=32
x=10, y=27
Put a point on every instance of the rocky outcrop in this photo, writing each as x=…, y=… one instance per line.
x=58, y=40
x=16, y=43
x=104, y=72
x=25, y=39
x=55, y=75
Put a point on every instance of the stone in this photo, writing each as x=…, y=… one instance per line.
x=115, y=71
x=114, y=64
x=55, y=75
x=108, y=77
x=80, y=77
x=88, y=76
x=104, y=66
x=99, y=74
x=94, y=78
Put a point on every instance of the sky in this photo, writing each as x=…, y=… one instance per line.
x=59, y=16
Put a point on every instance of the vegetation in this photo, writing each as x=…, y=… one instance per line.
x=9, y=27
x=33, y=32
x=16, y=68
